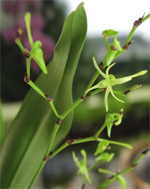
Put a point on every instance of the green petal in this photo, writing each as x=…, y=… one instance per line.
x=107, y=71
x=120, y=80
x=111, y=91
x=108, y=33
x=139, y=73
x=94, y=87
x=106, y=99
x=28, y=21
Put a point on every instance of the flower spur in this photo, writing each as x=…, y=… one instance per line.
x=110, y=81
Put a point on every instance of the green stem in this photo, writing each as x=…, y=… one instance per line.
x=28, y=21
x=106, y=42
x=39, y=91
x=94, y=165
x=100, y=130
x=75, y=104
x=130, y=36
x=37, y=174
x=146, y=17
x=54, y=109
x=88, y=139
x=18, y=42
x=53, y=135
x=66, y=144
x=28, y=66
x=92, y=81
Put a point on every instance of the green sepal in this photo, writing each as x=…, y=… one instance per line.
x=109, y=33
x=101, y=147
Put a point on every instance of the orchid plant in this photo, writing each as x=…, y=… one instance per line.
x=38, y=130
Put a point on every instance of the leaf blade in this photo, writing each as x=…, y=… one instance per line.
x=27, y=131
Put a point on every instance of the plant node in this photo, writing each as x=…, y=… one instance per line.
x=26, y=78
x=48, y=98
x=139, y=21
x=127, y=46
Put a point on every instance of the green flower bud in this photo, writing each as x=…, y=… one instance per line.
x=37, y=55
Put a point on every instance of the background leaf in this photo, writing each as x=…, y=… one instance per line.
x=1, y=124
x=26, y=143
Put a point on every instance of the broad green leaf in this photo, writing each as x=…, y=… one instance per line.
x=26, y=143
x=105, y=157
x=101, y=147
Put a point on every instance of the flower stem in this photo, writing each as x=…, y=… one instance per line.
x=28, y=66
x=40, y=92
x=111, y=179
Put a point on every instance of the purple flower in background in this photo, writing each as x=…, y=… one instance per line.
x=13, y=7
x=18, y=6
x=9, y=35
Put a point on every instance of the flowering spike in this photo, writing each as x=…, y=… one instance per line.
x=28, y=21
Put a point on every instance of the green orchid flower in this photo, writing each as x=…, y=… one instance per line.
x=110, y=81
